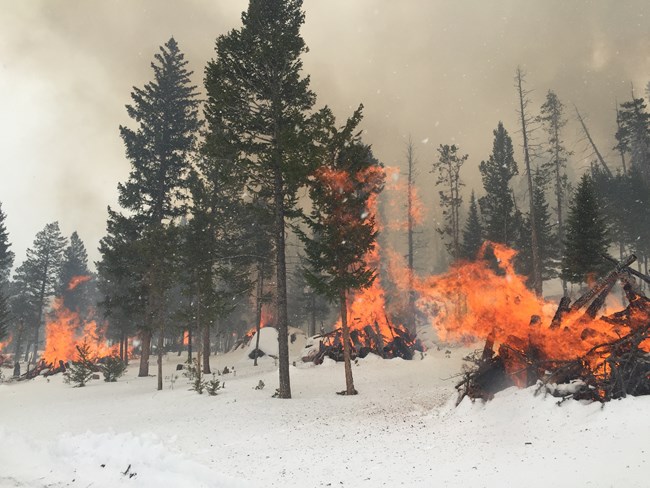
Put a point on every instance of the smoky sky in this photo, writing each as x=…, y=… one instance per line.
x=438, y=71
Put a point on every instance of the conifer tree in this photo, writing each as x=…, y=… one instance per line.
x=343, y=231
x=74, y=276
x=6, y=262
x=586, y=235
x=447, y=171
x=633, y=135
x=473, y=232
x=258, y=102
x=553, y=121
x=547, y=239
x=39, y=274
x=166, y=113
x=497, y=205
x=82, y=368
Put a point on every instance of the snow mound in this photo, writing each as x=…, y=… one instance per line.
x=268, y=342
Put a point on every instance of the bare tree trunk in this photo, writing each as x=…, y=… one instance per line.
x=122, y=346
x=284, y=390
x=349, y=382
x=312, y=324
x=620, y=149
x=189, y=344
x=18, y=341
x=410, y=225
x=593, y=144
x=145, y=338
x=161, y=345
x=206, y=348
x=258, y=309
x=537, y=263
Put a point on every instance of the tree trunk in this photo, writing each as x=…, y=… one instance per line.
x=145, y=338
x=284, y=390
x=349, y=382
x=161, y=345
x=312, y=324
x=18, y=341
x=206, y=348
x=258, y=310
x=537, y=263
x=410, y=225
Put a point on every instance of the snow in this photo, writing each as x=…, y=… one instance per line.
x=403, y=429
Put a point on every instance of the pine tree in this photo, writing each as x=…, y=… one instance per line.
x=39, y=274
x=553, y=121
x=257, y=104
x=633, y=135
x=343, y=230
x=547, y=239
x=6, y=262
x=473, y=232
x=447, y=171
x=82, y=368
x=166, y=112
x=74, y=276
x=586, y=235
x=6, y=255
x=498, y=206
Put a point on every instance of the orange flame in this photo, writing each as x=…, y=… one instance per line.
x=65, y=330
x=186, y=337
x=77, y=280
x=5, y=343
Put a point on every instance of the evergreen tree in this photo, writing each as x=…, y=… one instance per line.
x=344, y=231
x=82, y=368
x=6, y=255
x=258, y=103
x=74, y=277
x=633, y=135
x=166, y=111
x=447, y=171
x=6, y=262
x=498, y=206
x=39, y=274
x=473, y=232
x=553, y=121
x=586, y=235
x=547, y=239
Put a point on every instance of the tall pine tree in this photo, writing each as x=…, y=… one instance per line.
x=633, y=135
x=166, y=113
x=586, y=235
x=258, y=102
x=6, y=262
x=473, y=232
x=39, y=275
x=497, y=205
x=343, y=230
x=74, y=278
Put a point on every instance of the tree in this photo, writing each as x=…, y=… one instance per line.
x=526, y=120
x=447, y=171
x=410, y=226
x=553, y=121
x=166, y=113
x=343, y=230
x=547, y=239
x=74, y=275
x=473, y=232
x=633, y=135
x=497, y=205
x=6, y=262
x=258, y=103
x=586, y=235
x=82, y=368
x=39, y=274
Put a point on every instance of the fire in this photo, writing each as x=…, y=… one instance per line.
x=77, y=280
x=397, y=191
x=65, y=330
x=5, y=343
x=186, y=337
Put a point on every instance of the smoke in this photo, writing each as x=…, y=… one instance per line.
x=439, y=71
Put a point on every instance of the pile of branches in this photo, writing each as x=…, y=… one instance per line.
x=366, y=340
x=607, y=371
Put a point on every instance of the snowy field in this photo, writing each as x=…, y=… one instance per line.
x=401, y=430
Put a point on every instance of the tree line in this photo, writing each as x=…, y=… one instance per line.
x=215, y=187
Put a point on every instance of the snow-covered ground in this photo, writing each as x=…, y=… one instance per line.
x=401, y=430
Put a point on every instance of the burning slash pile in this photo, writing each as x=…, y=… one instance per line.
x=574, y=354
